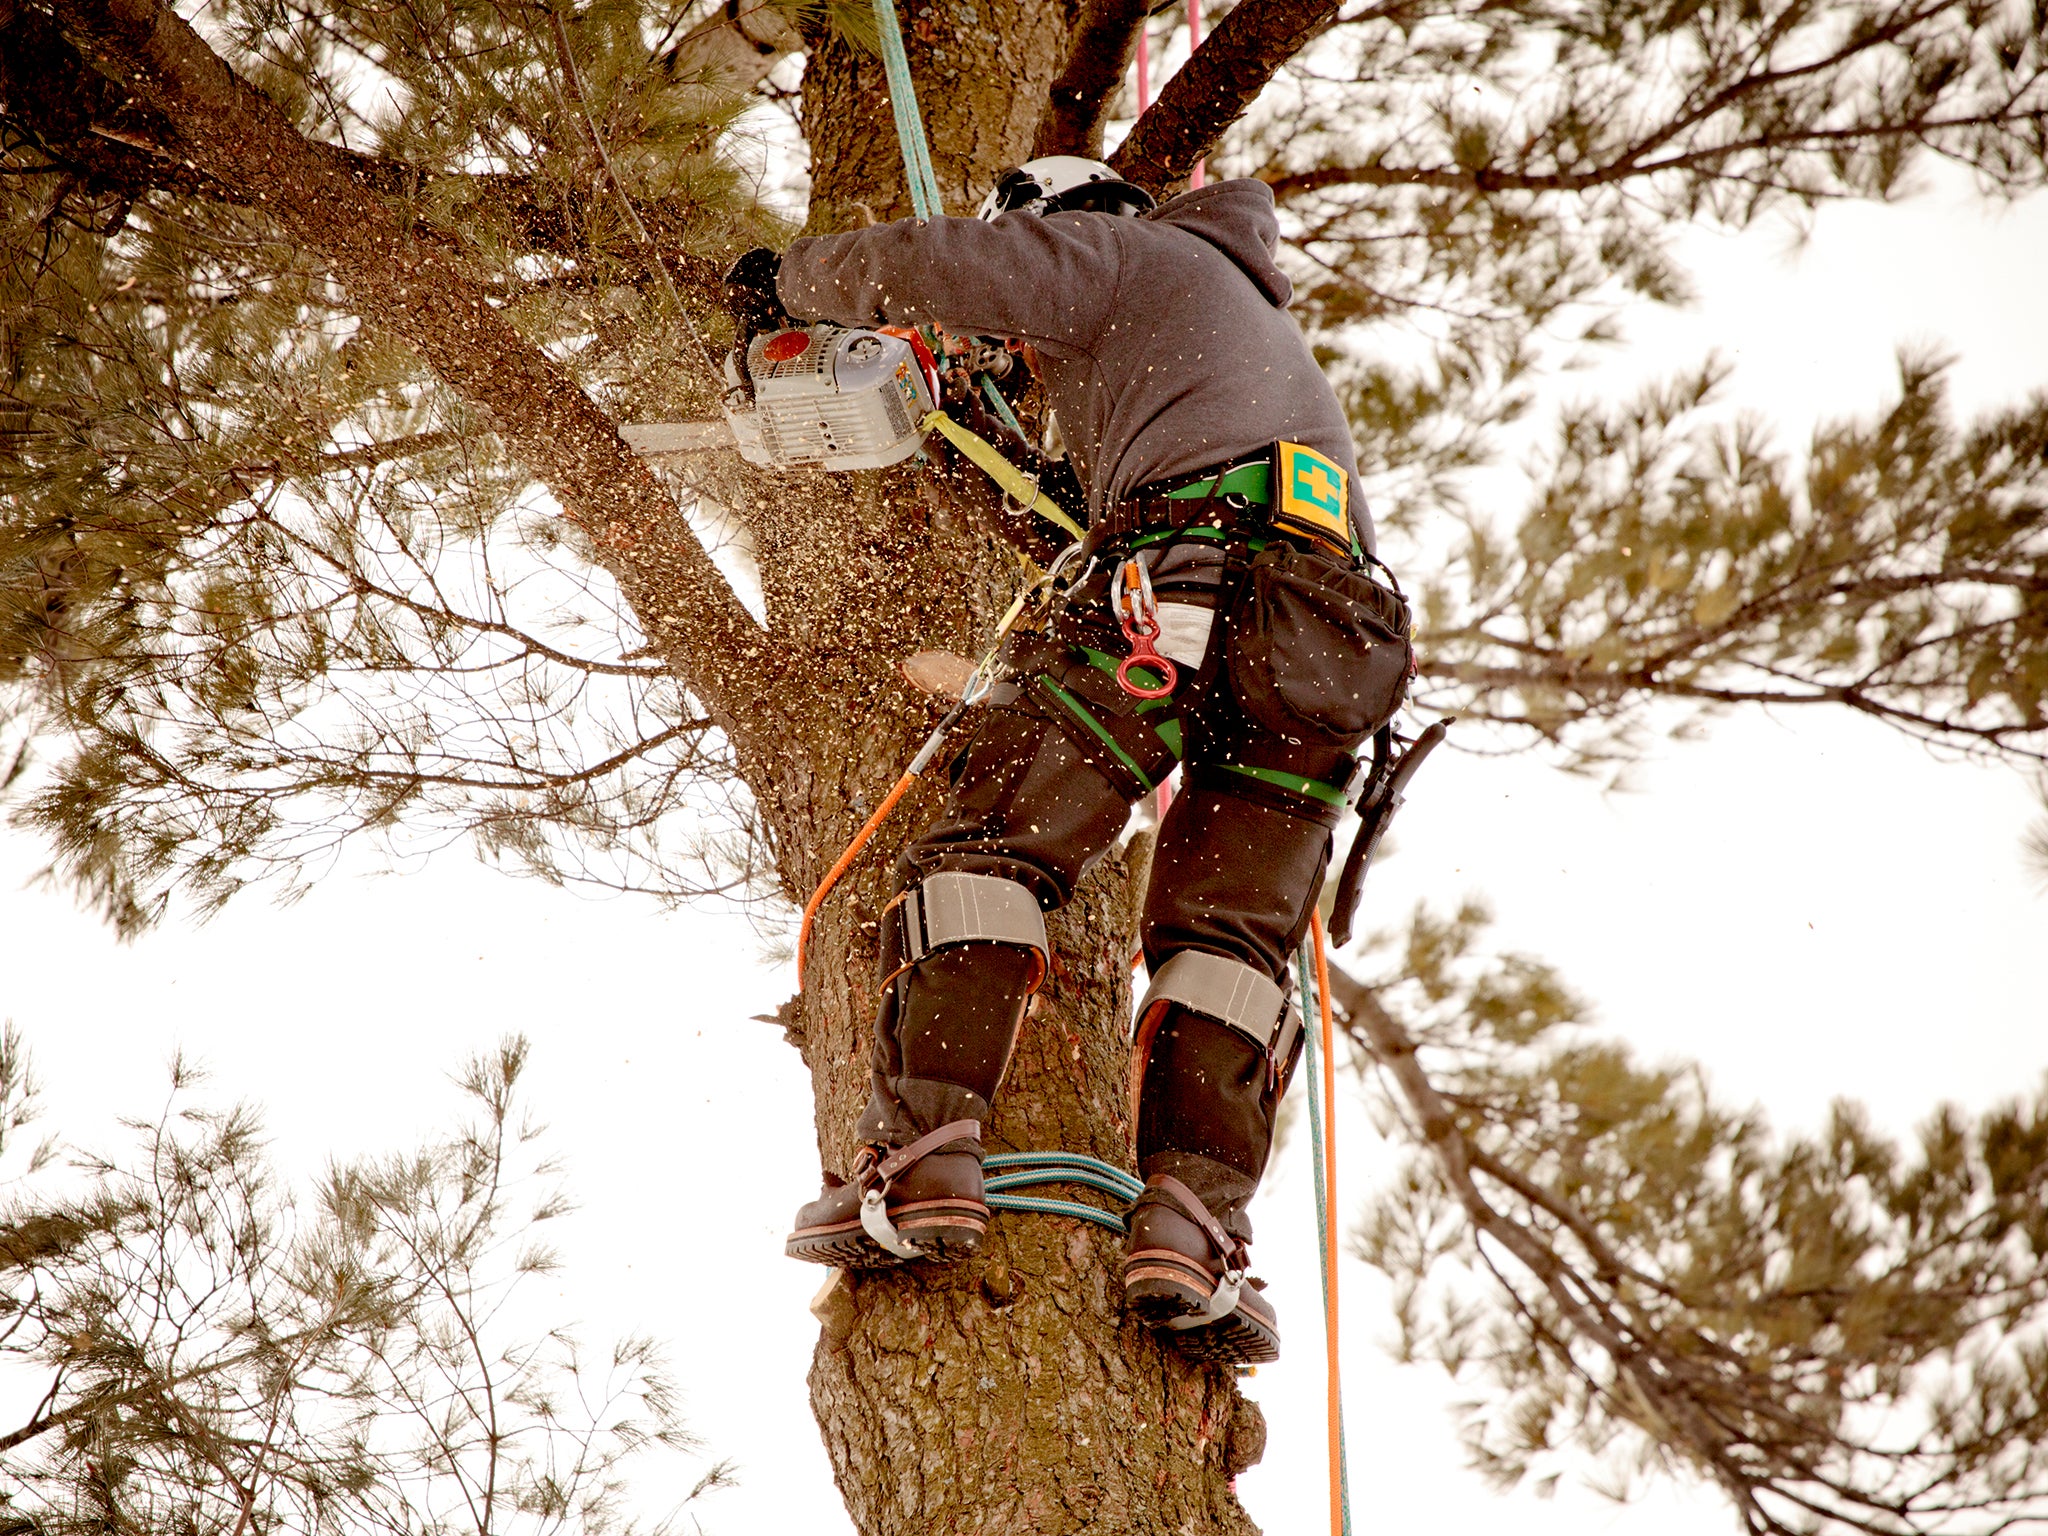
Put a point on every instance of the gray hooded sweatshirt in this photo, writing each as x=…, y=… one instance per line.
x=1164, y=341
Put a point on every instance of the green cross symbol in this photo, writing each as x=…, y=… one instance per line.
x=1316, y=485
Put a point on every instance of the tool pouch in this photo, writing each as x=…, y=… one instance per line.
x=1318, y=653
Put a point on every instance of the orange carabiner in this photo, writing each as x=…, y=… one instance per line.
x=1137, y=614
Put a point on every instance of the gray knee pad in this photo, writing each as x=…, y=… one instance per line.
x=1230, y=992
x=961, y=955
x=950, y=908
x=1205, y=1026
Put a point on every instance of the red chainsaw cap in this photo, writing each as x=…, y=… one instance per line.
x=790, y=344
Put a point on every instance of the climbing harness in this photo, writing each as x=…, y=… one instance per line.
x=1322, y=1121
x=1137, y=614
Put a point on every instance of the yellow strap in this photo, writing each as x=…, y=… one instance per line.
x=1019, y=486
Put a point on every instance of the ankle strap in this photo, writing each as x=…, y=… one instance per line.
x=1233, y=1253
x=886, y=1168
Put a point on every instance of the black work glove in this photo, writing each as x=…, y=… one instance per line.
x=751, y=297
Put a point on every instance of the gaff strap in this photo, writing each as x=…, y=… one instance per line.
x=1019, y=486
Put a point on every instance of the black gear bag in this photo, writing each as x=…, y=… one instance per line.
x=1318, y=653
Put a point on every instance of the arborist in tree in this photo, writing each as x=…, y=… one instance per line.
x=1225, y=616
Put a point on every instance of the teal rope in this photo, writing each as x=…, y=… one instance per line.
x=923, y=181
x=1075, y=1208
x=917, y=153
x=1115, y=1180
x=1002, y=406
x=1311, y=1014
x=1021, y=1170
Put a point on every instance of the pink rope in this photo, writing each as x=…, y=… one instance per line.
x=1194, y=42
x=1144, y=68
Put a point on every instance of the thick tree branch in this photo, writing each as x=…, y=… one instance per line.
x=233, y=133
x=1213, y=89
x=84, y=125
x=1085, y=91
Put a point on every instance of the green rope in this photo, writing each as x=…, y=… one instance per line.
x=1310, y=1013
x=917, y=153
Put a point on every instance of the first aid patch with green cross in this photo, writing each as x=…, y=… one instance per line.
x=1313, y=494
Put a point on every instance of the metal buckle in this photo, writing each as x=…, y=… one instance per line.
x=866, y=1172
x=874, y=1207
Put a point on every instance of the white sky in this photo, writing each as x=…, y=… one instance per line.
x=1810, y=906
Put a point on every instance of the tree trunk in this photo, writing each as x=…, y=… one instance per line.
x=1008, y=1394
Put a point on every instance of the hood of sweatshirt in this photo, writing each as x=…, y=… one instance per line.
x=1237, y=218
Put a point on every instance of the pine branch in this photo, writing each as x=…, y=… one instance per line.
x=1705, y=161
x=234, y=133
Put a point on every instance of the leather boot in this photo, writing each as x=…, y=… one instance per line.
x=942, y=1040
x=914, y=1202
x=1187, y=1276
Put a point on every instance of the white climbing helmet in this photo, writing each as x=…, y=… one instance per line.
x=1059, y=183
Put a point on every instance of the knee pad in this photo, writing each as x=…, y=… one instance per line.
x=961, y=956
x=949, y=908
x=1240, y=997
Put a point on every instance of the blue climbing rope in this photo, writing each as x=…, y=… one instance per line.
x=1310, y=1009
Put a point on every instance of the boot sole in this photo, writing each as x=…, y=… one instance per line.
x=1161, y=1287
x=947, y=1230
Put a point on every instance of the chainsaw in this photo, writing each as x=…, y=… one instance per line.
x=817, y=397
x=828, y=397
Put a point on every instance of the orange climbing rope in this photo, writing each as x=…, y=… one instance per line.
x=860, y=841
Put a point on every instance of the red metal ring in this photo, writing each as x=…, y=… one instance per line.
x=1169, y=673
